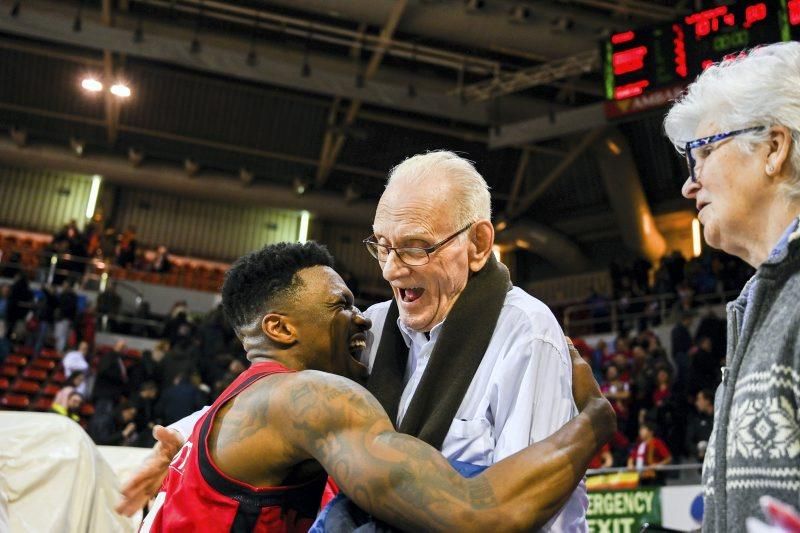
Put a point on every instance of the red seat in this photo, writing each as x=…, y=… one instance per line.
x=16, y=360
x=3, y=384
x=24, y=350
x=58, y=377
x=35, y=374
x=15, y=401
x=50, y=390
x=26, y=387
x=42, y=404
x=50, y=354
x=9, y=371
x=87, y=409
x=43, y=364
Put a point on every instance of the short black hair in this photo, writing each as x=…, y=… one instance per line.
x=256, y=279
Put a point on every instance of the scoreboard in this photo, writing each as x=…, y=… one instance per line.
x=636, y=62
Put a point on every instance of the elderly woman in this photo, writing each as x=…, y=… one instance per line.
x=739, y=128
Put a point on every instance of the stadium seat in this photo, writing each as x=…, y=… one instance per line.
x=26, y=387
x=3, y=384
x=35, y=374
x=42, y=404
x=87, y=409
x=16, y=360
x=24, y=350
x=50, y=390
x=50, y=354
x=58, y=377
x=43, y=364
x=9, y=371
x=15, y=401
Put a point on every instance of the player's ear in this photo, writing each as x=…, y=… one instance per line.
x=278, y=328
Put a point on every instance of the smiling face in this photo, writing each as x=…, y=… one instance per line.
x=409, y=216
x=730, y=192
x=330, y=331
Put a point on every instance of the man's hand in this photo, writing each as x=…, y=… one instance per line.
x=144, y=484
x=584, y=386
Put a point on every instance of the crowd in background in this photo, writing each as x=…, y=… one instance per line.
x=664, y=400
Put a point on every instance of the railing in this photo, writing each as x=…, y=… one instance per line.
x=580, y=320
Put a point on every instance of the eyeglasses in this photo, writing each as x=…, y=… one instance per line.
x=411, y=256
x=692, y=159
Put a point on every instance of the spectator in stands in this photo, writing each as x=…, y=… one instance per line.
x=20, y=302
x=617, y=392
x=66, y=315
x=739, y=126
x=663, y=388
x=145, y=402
x=126, y=247
x=649, y=451
x=713, y=327
x=112, y=379
x=698, y=429
x=46, y=307
x=145, y=369
x=108, y=244
x=704, y=367
x=161, y=262
x=181, y=399
x=76, y=360
x=109, y=304
x=681, y=345
x=116, y=427
x=68, y=402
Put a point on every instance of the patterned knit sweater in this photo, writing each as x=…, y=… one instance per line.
x=755, y=444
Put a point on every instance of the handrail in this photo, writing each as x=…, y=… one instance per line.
x=614, y=315
x=661, y=468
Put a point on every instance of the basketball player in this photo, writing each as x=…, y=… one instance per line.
x=258, y=459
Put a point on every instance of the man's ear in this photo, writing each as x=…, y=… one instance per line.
x=278, y=329
x=482, y=240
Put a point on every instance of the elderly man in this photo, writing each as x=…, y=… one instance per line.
x=459, y=358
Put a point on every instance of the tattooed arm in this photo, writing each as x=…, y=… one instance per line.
x=411, y=485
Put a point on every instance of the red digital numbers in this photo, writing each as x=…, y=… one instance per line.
x=679, y=49
x=754, y=13
x=629, y=60
x=624, y=37
x=794, y=12
x=631, y=89
x=707, y=21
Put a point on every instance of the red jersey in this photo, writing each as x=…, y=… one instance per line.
x=196, y=496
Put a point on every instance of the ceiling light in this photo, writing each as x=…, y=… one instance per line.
x=77, y=145
x=120, y=90
x=92, y=85
x=519, y=14
x=299, y=186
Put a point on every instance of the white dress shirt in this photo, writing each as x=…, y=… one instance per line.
x=520, y=394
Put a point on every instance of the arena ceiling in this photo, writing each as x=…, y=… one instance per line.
x=264, y=96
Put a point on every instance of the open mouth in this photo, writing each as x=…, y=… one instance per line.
x=358, y=343
x=411, y=294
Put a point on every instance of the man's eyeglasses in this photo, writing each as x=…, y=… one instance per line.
x=410, y=255
x=696, y=153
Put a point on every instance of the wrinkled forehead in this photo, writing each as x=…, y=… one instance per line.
x=414, y=209
x=321, y=281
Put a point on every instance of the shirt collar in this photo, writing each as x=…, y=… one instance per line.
x=417, y=337
x=779, y=252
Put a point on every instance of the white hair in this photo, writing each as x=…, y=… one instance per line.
x=761, y=88
x=467, y=185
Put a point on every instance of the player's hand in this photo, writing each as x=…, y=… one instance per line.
x=145, y=482
x=584, y=386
